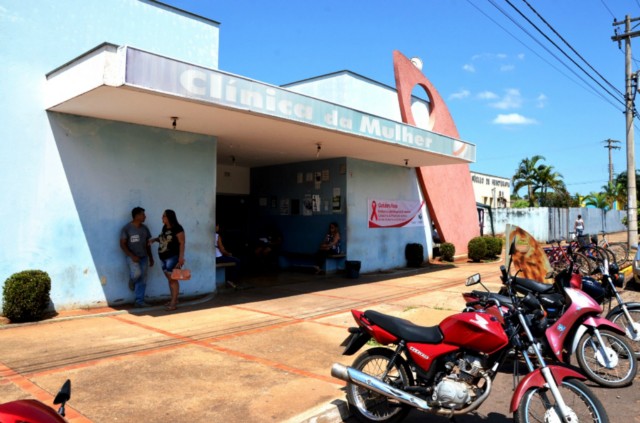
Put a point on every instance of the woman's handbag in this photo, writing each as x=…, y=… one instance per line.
x=181, y=274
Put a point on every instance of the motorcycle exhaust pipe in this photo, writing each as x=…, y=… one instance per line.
x=349, y=374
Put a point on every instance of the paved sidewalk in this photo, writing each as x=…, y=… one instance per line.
x=255, y=355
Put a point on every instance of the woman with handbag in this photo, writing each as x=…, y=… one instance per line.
x=171, y=252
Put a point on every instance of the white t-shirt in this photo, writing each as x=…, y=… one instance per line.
x=218, y=253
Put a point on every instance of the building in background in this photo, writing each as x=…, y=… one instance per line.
x=120, y=103
x=490, y=190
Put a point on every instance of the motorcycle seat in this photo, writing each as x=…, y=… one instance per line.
x=529, y=285
x=404, y=329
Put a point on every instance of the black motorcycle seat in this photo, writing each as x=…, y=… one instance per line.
x=530, y=285
x=404, y=329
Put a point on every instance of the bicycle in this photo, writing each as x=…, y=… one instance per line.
x=586, y=244
x=559, y=258
x=619, y=249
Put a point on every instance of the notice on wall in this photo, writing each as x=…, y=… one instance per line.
x=395, y=213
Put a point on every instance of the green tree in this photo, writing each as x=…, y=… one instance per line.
x=546, y=178
x=600, y=201
x=526, y=176
x=615, y=192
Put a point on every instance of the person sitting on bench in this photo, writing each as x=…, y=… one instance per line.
x=224, y=256
x=330, y=246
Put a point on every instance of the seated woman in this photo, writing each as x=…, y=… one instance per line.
x=330, y=246
x=224, y=256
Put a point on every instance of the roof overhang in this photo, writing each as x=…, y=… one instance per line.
x=256, y=123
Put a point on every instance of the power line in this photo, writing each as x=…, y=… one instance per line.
x=571, y=47
x=563, y=52
x=586, y=84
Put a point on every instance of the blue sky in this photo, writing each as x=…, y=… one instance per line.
x=508, y=95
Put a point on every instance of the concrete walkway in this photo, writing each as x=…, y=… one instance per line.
x=261, y=354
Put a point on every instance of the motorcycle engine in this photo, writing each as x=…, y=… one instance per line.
x=456, y=389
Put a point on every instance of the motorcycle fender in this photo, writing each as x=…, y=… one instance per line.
x=618, y=309
x=596, y=322
x=356, y=340
x=602, y=323
x=536, y=380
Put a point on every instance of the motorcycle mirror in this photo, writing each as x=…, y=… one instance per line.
x=473, y=279
x=64, y=394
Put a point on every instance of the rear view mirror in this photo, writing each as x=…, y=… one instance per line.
x=65, y=393
x=473, y=279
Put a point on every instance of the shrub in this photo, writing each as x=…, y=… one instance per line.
x=494, y=246
x=25, y=296
x=477, y=248
x=414, y=253
x=448, y=250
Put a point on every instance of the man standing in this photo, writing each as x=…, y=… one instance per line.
x=134, y=242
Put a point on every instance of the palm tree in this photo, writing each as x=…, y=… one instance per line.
x=546, y=178
x=615, y=192
x=598, y=200
x=526, y=175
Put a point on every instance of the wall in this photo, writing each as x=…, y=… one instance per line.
x=552, y=223
x=484, y=187
x=380, y=249
x=233, y=180
x=51, y=225
x=112, y=167
x=358, y=181
x=292, y=184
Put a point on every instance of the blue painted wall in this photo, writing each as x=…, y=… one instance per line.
x=271, y=185
x=72, y=181
x=358, y=180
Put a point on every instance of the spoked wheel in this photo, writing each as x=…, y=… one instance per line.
x=620, y=251
x=538, y=405
x=631, y=328
x=612, y=364
x=369, y=406
x=582, y=264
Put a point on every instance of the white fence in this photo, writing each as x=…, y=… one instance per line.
x=545, y=223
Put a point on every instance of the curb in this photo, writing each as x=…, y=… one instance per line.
x=337, y=411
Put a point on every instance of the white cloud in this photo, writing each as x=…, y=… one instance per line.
x=5, y=15
x=541, y=101
x=469, y=68
x=460, y=95
x=511, y=100
x=487, y=95
x=520, y=56
x=507, y=68
x=513, y=119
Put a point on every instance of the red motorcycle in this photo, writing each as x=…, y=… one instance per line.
x=449, y=369
x=27, y=411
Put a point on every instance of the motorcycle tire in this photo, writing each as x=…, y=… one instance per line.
x=538, y=405
x=613, y=367
x=369, y=406
x=632, y=329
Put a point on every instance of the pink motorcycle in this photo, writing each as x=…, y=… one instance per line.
x=573, y=325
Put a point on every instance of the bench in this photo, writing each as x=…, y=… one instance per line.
x=334, y=262
x=221, y=274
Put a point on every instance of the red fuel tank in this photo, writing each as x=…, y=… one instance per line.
x=476, y=331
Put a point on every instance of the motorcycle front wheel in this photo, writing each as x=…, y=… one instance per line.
x=369, y=406
x=632, y=328
x=612, y=364
x=538, y=405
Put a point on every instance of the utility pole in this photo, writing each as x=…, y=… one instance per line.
x=610, y=146
x=632, y=204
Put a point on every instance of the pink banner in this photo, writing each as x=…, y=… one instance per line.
x=395, y=213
